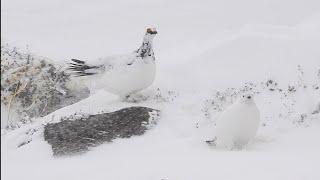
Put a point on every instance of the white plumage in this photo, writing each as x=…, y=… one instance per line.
x=238, y=124
x=121, y=75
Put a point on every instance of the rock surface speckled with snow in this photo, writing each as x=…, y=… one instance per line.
x=76, y=136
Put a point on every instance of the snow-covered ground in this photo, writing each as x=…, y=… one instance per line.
x=202, y=49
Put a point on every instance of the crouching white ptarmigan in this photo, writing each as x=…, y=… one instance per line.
x=238, y=124
x=122, y=75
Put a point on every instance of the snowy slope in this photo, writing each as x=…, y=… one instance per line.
x=202, y=47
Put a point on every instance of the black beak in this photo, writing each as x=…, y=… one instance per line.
x=249, y=97
x=153, y=32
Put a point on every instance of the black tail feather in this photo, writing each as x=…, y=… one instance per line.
x=79, y=68
x=78, y=61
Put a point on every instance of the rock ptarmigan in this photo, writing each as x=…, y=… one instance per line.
x=122, y=75
x=238, y=124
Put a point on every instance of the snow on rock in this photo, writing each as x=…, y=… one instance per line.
x=75, y=136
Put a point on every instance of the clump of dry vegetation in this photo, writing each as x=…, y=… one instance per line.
x=33, y=86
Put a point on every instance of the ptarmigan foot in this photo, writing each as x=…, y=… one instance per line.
x=135, y=98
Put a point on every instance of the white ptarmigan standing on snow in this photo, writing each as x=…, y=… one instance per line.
x=122, y=75
x=238, y=124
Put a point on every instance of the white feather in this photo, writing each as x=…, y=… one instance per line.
x=123, y=79
x=238, y=124
x=124, y=74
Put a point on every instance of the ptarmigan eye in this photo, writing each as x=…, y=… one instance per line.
x=151, y=31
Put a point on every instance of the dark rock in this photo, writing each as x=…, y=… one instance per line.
x=76, y=136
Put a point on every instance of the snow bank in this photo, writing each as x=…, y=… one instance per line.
x=203, y=47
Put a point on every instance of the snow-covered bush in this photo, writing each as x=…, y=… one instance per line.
x=32, y=86
x=297, y=102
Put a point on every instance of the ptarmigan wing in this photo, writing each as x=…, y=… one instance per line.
x=101, y=65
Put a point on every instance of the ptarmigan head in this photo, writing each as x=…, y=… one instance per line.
x=150, y=33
